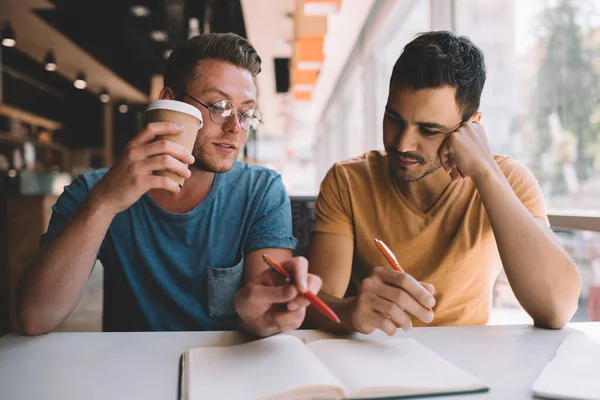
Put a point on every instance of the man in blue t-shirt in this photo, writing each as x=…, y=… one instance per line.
x=178, y=258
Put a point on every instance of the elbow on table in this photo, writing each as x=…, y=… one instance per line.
x=31, y=324
x=550, y=323
x=557, y=317
x=561, y=307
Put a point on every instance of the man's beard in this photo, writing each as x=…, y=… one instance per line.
x=203, y=161
x=401, y=174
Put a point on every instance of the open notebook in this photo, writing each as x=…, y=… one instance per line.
x=573, y=373
x=283, y=367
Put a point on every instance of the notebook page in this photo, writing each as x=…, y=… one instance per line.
x=573, y=373
x=394, y=366
x=259, y=369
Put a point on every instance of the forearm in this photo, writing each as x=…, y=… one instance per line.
x=53, y=283
x=342, y=307
x=541, y=273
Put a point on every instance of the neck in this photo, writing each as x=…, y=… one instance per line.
x=194, y=191
x=424, y=192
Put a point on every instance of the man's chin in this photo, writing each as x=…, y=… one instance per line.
x=412, y=175
x=408, y=177
x=215, y=167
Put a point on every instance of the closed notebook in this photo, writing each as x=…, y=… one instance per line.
x=283, y=367
x=573, y=373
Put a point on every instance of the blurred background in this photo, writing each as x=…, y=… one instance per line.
x=75, y=77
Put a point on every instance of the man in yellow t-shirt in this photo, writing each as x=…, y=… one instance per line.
x=451, y=212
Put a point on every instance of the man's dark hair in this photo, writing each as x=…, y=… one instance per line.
x=437, y=59
x=227, y=47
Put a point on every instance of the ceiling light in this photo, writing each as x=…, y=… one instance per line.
x=303, y=87
x=159, y=36
x=140, y=11
x=50, y=61
x=309, y=53
x=9, y=39
x=104, y=96
x=193, y=27
x=80, y=82
x=321, y=7
x=309, y=65
x=123, y=108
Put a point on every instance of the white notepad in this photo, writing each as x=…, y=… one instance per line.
x=283, y=367
x=573, y=373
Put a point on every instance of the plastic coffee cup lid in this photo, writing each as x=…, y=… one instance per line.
x=175, y=106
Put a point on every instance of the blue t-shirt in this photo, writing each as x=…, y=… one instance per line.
x=166, y=271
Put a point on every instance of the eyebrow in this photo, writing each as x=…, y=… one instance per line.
x=225, y=95
x=422, y=124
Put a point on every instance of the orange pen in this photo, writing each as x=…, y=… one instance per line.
x=317, y=302
x=390, y=257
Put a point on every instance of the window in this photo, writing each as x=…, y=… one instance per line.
x=541, y=103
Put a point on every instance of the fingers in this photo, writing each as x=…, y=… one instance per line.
x=314, y=285
x=454, y=174
x=163, y=162
x=255, y=298
x=148, y=182
x=267, y=295
x=154, y=129
x=365, y=319
x=407, y=283
x=444, y=156
x=288, y=320
x=428, y=286
x=393, y=311
x=162, y=147
x=298, y=268
x=403, y=301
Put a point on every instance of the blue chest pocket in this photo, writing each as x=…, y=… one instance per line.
x=223, y=284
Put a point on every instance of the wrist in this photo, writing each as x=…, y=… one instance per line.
x=95, y=206
x=488, y=169
x=345, y=310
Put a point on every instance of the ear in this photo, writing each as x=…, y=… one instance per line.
x=166, y=94
x=476, y=117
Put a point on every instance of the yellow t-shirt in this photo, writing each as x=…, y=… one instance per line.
x=451, y=246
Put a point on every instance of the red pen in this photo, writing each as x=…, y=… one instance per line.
x=317, y=302
x=390, y=257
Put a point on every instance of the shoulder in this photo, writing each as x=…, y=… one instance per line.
x=91, y=178
x=361, y=167
x=513, y=170
x=85, y=182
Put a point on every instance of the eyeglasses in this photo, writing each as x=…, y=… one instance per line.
x=222, y=110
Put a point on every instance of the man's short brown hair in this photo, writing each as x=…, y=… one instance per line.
x=227, y=47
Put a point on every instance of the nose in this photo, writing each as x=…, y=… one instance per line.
x=406, y=140
x=233, y=125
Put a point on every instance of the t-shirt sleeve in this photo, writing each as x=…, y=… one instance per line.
x=272, y=226
x=66, y=205
x=334, y=214
x=525, y=186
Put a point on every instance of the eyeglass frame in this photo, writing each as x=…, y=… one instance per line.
x=210, y=108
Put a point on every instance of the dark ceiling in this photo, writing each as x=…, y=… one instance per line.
x=110, y=32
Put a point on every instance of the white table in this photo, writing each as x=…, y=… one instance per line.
x=66, y=366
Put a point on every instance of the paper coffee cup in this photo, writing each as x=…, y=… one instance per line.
x=179, y=113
